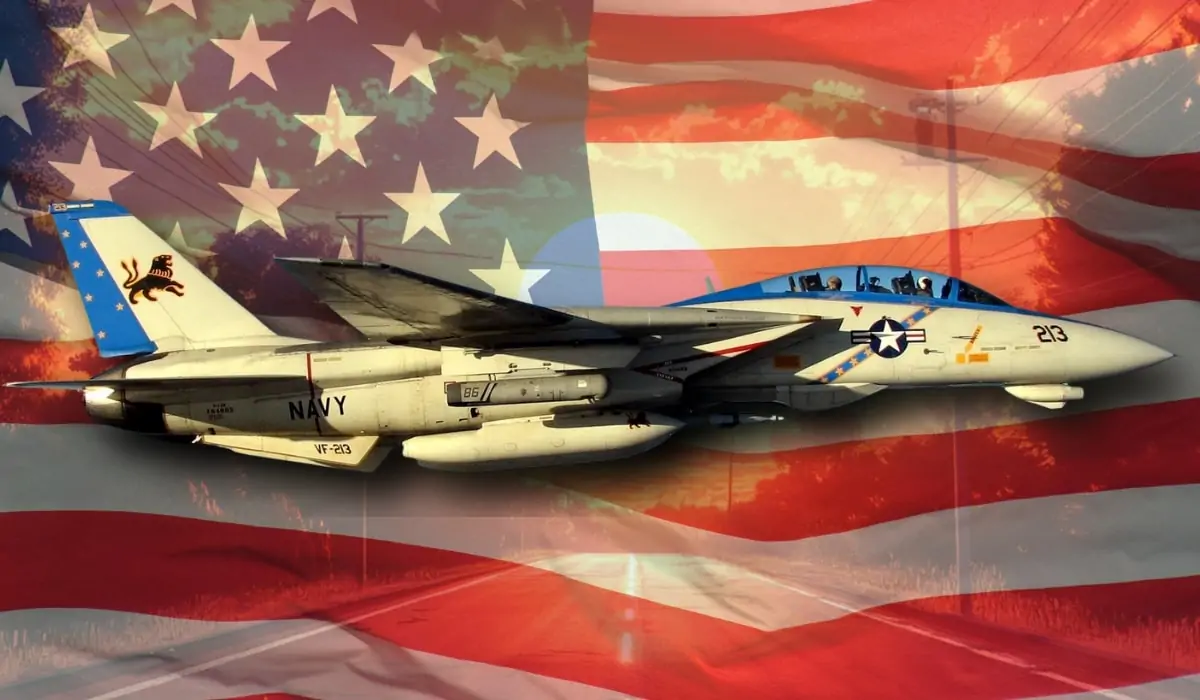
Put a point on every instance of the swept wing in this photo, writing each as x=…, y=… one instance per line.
x=385, y=301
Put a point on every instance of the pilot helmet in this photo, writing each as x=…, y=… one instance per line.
x=834, y=282
x=924, y=282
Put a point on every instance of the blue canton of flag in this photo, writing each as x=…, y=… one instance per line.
x=242, y=131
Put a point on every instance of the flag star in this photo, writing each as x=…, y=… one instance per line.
x=101, y=335
x=120, y=307
x=174, y=121
x=66, y=234
x=178, y=242
x=510, y=280
x=250, y=55
x=493, y=50
x=260, y=201
x=83, y=244
x=87, y=298
x=494, y=133
x=411, y=60
x=99, y=273
x=338, y=130
x=13, y=216
x=13, y=98
x=187, y=6
x=346, y=7
x=424, y=207
x=75, y=265
x=85, y=42
x=345, y=252
x=91, y=179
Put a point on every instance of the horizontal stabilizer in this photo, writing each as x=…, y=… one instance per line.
x=359, y=453
x=164, y=383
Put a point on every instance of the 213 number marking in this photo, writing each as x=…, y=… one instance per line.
x=337, y=448
x=1051, y=334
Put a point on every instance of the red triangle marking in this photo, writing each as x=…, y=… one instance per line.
x=856, y=309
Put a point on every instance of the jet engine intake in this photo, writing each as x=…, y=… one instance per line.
x=568, y=387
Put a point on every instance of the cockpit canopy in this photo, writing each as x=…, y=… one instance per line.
x=881, y=279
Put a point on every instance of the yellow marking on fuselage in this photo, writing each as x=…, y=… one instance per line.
x=974, y=337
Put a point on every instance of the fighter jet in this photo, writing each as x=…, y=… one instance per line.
x=464, y=380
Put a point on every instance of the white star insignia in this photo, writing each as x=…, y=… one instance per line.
x=99, y=273
x=188, y=7
x=250, y=55
x=345, y=252
x=85, y=42
x=424, y=207
x=176, y=240
x=120, y=307
x=173, y=121
x=13, y=98
x=87, y=297
x=13, y=216
x=346, y=7
x=338, y=130
x=260, y=201
x=493, y=50
x=90, y=177
x=494, y=133
x=101, y=335
x=510, y=279
x=75, y=265
x=83, y=244
x=66, y=233
x=412, y=60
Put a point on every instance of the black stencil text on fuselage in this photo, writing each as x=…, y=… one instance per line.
x=317, y=408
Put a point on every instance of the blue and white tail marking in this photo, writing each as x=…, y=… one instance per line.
x=140, y=295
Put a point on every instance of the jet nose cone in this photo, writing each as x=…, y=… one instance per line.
x=1139, y=354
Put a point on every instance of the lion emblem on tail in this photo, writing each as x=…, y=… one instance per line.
x=157, y=278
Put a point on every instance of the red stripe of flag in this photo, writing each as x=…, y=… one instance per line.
x=561, y=628
x=746, y=111
x=792, y=494
x=917, y=44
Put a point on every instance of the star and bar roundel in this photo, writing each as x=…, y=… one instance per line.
x=886, y=337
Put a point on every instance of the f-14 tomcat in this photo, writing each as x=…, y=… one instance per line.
x=465, y=380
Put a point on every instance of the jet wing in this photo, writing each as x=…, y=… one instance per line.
x=383, y=301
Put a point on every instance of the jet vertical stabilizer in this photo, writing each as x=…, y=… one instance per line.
x=140, y=295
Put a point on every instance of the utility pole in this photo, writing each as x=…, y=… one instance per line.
x=360, y=230
x=360, y=247
x=924, y=108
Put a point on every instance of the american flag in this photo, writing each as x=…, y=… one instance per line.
x=925, y=544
